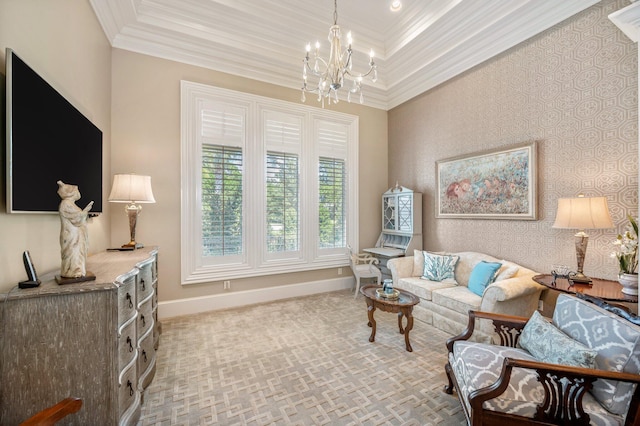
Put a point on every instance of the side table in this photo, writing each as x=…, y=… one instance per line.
x=607, y=290
x=403, y=306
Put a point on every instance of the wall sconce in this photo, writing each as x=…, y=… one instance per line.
x=582, y=213
x=131, y=189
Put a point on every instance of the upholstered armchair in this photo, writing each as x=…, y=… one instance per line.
x=549, y=383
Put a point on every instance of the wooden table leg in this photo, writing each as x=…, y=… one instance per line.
x=400, y=314
x=409, y=316
x=372, y=322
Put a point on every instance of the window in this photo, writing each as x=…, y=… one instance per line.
x=221, y=200
x=331, y=203
x=266, y=185
x=282, y=203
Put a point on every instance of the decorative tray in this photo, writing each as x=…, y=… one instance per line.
x=392, y=296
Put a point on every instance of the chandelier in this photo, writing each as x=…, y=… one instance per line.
x=331, y=74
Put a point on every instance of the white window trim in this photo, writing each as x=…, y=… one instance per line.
x=255, y=261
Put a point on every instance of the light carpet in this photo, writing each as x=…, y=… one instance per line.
x=302, y=361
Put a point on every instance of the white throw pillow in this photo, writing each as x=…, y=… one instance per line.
x=507, y=270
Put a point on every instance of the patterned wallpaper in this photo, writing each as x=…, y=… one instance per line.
x=574, y=90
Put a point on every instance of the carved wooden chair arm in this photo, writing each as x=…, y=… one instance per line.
x=55, y=413
x=508, y=328
x=564, y=389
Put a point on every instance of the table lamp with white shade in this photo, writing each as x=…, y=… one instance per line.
x=133, y=190
x=582, y=213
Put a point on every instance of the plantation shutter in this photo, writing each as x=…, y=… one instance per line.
x=332, y=139
x=283, y=139
x=223, y=135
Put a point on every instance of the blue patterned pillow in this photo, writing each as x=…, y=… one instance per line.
x=439, y=267
x=549, y=344
x=483, y=274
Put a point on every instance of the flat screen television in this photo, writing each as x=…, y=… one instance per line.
x=47, y=139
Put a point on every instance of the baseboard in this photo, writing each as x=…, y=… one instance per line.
x=194, y=305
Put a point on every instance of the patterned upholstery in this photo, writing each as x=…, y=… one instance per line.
x=438, y=267
x=476, y=365
x=549, y=344
x=616, y=340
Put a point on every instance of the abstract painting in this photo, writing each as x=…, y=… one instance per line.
x=496, y=184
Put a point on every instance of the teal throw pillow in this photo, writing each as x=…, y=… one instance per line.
x=483, y=274
x=546, y=343
x=439, y=267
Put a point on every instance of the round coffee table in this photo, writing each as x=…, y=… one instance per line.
x=403, y=306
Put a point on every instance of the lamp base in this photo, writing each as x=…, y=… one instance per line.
x=580, y=278
x=132, y=246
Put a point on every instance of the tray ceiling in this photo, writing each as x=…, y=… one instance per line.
x=423, y=45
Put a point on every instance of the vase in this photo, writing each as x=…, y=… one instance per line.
x=629, y=283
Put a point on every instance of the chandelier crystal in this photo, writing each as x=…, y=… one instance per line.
x=332, y=74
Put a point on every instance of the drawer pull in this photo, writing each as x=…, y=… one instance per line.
x=130, y=345
x=130, y=386
x=142, y=282
x=130, y=300
x=144, y=322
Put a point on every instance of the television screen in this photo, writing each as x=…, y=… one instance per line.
x=47, y=140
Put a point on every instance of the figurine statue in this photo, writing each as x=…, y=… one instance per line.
x=74, y=238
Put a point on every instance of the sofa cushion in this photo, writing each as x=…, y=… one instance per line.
x=548, y=344
x=616, y=340
x=438, y=267
x=418, y=263
x=483, y=274
x=507, y=270
x=423, y=288
x=459, y=299
x=468, y=260
x=478, y=365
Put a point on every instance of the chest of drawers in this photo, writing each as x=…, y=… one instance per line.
x=95, y=340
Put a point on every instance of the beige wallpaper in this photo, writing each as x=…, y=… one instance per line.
x=573, y=89
x=64, y=42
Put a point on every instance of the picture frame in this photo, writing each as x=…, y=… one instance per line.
x=495, y=184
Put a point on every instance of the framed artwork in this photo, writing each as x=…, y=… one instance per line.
x=496, y=184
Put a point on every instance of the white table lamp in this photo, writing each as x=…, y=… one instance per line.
x=582, y=213
x=133, y=190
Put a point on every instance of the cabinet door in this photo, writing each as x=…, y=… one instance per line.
x=389, y=213
x=405, y=213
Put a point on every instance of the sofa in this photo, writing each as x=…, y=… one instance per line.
x=445, y=304
x=581, y=368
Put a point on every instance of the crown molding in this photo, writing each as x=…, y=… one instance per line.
x=628, y=20
x=425, y=46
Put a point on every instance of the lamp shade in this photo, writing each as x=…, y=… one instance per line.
x=583, y=213
x=129, y=188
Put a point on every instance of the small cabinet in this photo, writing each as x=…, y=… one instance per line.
x=400, y=213
x=401, y=226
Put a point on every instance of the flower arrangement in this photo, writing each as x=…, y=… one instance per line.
x=627, y=248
